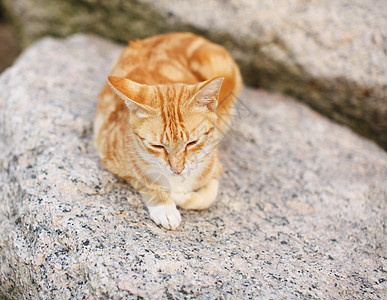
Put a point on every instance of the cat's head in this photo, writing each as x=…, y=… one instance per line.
x=174, y=125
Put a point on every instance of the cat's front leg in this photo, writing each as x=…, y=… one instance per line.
x=202, y=198
x=180, y=197
x=165, y=215
x=162, y=209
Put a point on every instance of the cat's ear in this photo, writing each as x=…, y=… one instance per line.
x=208, y=93
x=131, y=93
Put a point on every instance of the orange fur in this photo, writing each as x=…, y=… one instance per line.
x=166, y=104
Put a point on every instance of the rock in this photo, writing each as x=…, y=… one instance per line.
x=300, y=213
x=330, y=54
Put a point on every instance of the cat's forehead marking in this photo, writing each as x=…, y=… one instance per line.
x=170, y=104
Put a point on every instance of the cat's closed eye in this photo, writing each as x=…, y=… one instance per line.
x=158, y=146
x=192, y=143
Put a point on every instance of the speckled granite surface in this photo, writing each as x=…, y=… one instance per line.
x=301, y=211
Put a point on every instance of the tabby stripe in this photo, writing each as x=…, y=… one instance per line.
x=161, y=97
x=180, y=117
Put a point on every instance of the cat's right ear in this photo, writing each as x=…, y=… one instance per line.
x=132, y=93
x=208, y=93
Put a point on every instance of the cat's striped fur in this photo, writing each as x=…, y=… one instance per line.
x=167, y=102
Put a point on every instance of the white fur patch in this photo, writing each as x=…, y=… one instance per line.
x=165, y=215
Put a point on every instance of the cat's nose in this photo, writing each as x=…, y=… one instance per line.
x=176, y=163
x=177, y=169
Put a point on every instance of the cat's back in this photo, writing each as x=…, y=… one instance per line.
x=161, y=59
x=179, y=57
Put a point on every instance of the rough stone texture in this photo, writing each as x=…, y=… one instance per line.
x=301, y=211
x=331, y=54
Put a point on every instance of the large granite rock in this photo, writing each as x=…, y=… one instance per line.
x=331, y=54
x=301, y=211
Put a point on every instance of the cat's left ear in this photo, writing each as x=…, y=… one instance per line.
x=133, y=93
x=207, y=96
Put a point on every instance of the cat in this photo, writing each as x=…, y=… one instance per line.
x=168, y=101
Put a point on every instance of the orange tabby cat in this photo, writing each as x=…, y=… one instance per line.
x=166, y=104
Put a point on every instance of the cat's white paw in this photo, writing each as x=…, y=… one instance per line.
x=165, y=215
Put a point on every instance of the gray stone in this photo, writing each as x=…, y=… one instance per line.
x=300, y=214
x=330, y=54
